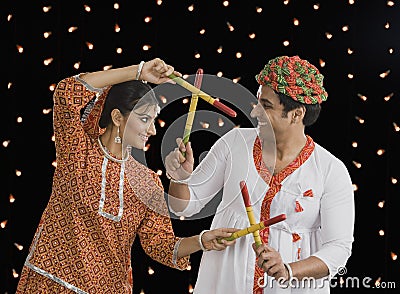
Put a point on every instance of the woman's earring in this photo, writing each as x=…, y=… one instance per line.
x=117, y=139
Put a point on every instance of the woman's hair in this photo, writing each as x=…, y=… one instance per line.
x=125, y=97
x=312, y=110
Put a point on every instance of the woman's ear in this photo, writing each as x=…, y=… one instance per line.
x=116, y=117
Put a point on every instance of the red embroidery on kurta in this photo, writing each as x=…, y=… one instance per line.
x=298, y=208
x=308, y=193
x=274, y=182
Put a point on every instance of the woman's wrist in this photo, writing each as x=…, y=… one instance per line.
x=201, y=241
x=139, y=70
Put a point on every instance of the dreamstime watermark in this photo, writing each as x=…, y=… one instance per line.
x=338, y=281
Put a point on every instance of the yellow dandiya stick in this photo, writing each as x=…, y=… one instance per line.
x=256, y=227
x=192, y=108
x=249, y=210
x=203, y=95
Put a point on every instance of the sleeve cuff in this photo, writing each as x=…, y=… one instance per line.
x=89, y=87
x=181, y=263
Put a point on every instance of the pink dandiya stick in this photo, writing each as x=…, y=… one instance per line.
x=229, y=111
x=249, y=210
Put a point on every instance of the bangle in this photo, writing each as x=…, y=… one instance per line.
x=140, y=66
x=290, y=272
x=201, y=242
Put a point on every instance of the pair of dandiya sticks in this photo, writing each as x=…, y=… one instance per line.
x=196, y=92
x=254, y=227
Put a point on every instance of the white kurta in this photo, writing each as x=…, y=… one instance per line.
x=325, y=225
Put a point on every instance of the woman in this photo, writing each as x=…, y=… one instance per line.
x=84, y=238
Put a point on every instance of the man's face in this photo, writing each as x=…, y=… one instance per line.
x=270, y=109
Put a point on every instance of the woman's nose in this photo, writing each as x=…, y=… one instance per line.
x=152, y=129
x=255, y=112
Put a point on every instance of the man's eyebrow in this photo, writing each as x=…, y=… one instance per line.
x=265, y=100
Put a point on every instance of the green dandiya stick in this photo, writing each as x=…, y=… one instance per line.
x=256, y=227
x=202, y=95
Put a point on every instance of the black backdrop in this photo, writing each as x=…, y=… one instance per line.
x=174, y=35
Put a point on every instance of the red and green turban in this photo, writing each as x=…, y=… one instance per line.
x=294, y=77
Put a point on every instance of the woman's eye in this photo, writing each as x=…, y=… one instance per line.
x=144, y=119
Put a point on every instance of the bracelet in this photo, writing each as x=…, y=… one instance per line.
x=290, y=272
x=139, y=69
x=201, y=242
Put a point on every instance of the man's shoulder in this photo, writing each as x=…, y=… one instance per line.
x=241, y=131
x=327, y=157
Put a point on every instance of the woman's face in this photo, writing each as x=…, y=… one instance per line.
x=139, y=126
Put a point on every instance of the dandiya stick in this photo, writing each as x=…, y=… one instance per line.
x=229, y=111
x=256, y=227
x=192, y=108
x=249, y=210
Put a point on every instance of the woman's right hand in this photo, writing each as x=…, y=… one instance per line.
x=180, y=167
x=156, y=71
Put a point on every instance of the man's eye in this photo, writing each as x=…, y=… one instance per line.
x=144, y=119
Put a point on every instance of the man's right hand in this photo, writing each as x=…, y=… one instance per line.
x=180, y=167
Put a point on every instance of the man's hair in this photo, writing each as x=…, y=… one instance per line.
x=312, y=110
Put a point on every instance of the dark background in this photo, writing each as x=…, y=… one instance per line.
x=173, y=34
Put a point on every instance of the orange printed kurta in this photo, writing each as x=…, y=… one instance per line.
x=83, y=241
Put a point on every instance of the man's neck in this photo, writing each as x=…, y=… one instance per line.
x=289, y=146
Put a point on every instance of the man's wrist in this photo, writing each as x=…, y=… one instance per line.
x=183, y=182
x=288, y=271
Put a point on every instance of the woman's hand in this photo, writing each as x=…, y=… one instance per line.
x=180, y=167
x=271, y=262
x=156, y=71
x=212, y=240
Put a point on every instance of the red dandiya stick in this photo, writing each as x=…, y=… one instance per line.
x=249, y=210
x=256, y=227
x=229, y=111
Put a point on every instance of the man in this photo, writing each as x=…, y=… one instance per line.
x=285, y=172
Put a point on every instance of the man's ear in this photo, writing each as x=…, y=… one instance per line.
x=298, y=114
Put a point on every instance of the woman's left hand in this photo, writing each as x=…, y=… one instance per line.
x=212, y=240
x=270, y=261
x=156, y=71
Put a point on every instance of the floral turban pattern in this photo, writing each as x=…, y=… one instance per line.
x=294, y=77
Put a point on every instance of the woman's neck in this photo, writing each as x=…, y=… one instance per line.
x=108, y=141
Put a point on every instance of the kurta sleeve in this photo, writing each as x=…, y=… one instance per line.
x=208, y=177
x=337, y=218
x=70, y=97
x=158, y=239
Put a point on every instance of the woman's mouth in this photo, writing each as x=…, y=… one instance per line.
x=144, y=138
